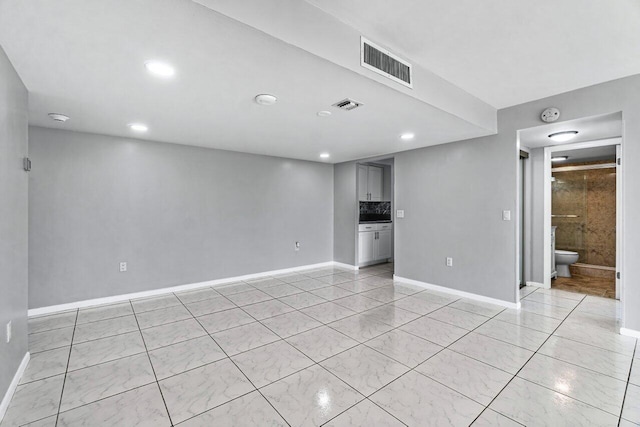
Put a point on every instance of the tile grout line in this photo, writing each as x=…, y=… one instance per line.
x=539, y=385
x=64, y=381
x=151, y=363
x=626, y=389
x=238, y=368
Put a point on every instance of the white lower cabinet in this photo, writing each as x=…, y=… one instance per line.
x=382, y=246
x=374, y=242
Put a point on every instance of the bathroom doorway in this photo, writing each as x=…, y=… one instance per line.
x=594, y=149
x=583, y=220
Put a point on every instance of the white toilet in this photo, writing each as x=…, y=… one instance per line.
x=563, y=260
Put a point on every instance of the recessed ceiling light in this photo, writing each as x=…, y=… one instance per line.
x=265, y=99
x=407, y=136
x=58, y=117
x=324, y=155
x=138, y=127
x=324, y=113
x=159, y=68
x=559, y=158
x=563, y=136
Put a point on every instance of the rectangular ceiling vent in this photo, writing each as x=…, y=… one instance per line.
x=347, y=104
x=385, y=63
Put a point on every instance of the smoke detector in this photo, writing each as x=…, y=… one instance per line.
x=549, y=115
x=348, y=104
x=265, y=99
x=58, y=117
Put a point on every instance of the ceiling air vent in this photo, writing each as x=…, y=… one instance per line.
x=384, y=62
x=347, y=104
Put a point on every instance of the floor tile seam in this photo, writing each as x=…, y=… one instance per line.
x=396, y=360
x=541, y=290
x=50, y=330
x=626, y=389
x=571, y=397
x=153, y=368
x=241, y=371
x=107, y=361
x=581, y=366
x=167, y=323
x=527, y=327
x=578, y=302
x=507, y=342
x=64, y=380
x=106, y=336
x=522, y=367
x=478, y=314
x=484, y=405
x=592, y=345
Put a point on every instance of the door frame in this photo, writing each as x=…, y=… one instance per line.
x=548, y=153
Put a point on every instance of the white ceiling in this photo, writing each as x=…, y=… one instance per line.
x=505, y=52
x=589, y=129
x=84, y=58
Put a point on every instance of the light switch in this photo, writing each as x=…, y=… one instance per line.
x=400, y=213
x=506, y=215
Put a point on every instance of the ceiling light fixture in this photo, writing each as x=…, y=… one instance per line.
x=58, y=117
x=407, y=136
x=559, y=158
x=138, y=127
x=324, y=155
x=563, y=136
x=161, y=69
x=324, y=113
x=265, y=99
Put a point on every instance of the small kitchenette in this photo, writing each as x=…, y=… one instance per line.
x=375, y=227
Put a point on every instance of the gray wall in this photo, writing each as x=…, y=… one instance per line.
x=176, y=214
x=345, y=203
x=13, y=220
x=453, y=196
x=618, y=95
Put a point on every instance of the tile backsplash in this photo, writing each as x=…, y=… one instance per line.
x=375, y=211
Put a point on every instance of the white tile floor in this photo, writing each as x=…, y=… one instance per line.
x=331, y=347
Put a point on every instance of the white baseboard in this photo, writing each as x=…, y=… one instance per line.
x=630, y=332
x=458, y=293
x=347, y=266
x=192, y=286
x=537, y=285
x=14, y=384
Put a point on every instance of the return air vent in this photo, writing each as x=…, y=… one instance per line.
x=347, y=104
x=384, y=62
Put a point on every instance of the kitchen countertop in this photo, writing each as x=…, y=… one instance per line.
x=375, y=222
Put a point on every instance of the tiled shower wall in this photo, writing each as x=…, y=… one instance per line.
x=590, y=195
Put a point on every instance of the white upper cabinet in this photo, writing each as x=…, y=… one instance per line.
x=370, y=183
x=363, y=182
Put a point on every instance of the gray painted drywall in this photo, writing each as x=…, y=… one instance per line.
x=175, y=214
x=345, y=205
x=453, y=196
x=13, y=220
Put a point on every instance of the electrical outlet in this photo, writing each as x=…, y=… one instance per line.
x=9, y=332
x=123, y=267
x=449, y=262
x=400, y=213
x=297, y=247
x=506, y=215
